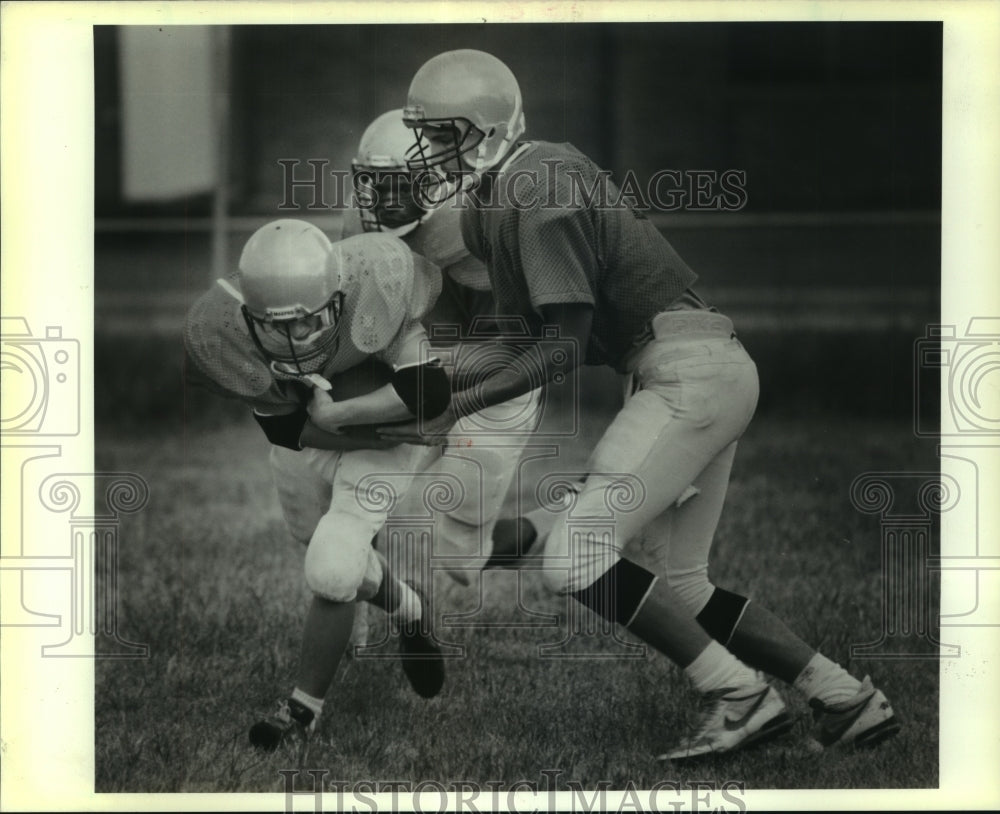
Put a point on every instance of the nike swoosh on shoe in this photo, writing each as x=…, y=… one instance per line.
x=732, y=724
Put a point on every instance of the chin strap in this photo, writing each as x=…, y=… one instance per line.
x=282, y=370
x=401, y=231
x=230, y=289
x=515, y=126
x=513, y=157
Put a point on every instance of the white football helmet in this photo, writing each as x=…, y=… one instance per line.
x=381, y=179
x=292, y=294
x=471, y=101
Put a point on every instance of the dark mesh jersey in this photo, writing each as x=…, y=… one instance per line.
x=544, y=242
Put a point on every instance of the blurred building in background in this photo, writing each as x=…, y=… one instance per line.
x=837, y=128
x=821, y=116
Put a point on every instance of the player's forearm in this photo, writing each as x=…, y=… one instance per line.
x=382, y=406
x=295, y=431
x=312, y=436
x=415, y=389
x=491, y=374
x=505, y=373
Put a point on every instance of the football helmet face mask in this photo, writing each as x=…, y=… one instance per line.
x=382, y=184
x=466, y=113
x=292, y=297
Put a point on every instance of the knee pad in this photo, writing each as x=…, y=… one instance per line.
x=721, y=614
x=341, y=565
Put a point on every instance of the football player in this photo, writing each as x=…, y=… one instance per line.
x=305, y=322
x=482, y=450
x=562, y=249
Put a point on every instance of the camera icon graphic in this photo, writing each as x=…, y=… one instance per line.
x=971, y=365
x=41, y=381
x=492, y=343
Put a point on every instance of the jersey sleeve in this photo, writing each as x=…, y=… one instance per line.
x=410, y=346
x=558, y=253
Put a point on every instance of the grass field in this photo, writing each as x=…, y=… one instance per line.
x=212, y=582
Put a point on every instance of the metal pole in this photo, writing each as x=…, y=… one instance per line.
x=221, y=36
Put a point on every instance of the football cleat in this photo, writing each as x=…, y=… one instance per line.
x=864, y=720
x=732, y=719
x=291, y=721
x=420, y=656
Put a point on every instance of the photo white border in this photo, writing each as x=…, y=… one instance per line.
x=46, y=89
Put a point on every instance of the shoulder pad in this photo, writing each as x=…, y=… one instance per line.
x=439, y=236
x=218, y=343
x=385, y=286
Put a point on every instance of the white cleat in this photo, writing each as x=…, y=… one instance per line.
x=732, y=719
x=864, y=720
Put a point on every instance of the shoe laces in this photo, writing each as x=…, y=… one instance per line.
x=821, y=709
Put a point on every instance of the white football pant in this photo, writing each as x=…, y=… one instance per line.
x=697, y=392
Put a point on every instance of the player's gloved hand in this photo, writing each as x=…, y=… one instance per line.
x=430, y=431
x=324, y=412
